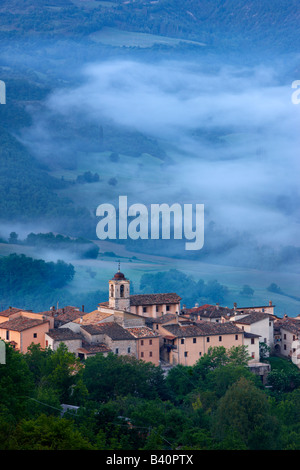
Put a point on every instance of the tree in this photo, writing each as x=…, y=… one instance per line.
x=238, y=355
x=13, y=238
x=64, y=374
x=16, y=383
x=244, y=411
x=37, y=358
x=264, y=351
x=113, y=376
x=180, y=381
x=155, y=439
x=247, y=290
x=49, y=433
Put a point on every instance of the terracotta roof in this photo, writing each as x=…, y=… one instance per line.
x=291, y=325
x=47, y=313
x=62, y=310
x=251, y=317
x=111, y=329
x=203, y=329
x=165, y=318
x=61, y=334
x=21, y=323
x=154, y=299
x=197, y=309
x=10, y=311
x=92, y=317
x=210, y=311
x=142, y=332
x=68, y=315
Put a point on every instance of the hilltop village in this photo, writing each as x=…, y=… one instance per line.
x=154, y=328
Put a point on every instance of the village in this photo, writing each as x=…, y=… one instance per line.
x=154, y=328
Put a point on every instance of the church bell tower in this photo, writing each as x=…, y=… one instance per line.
x=119, y=292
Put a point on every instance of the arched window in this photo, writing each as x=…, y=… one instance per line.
x=122, y=290
x=111, y=290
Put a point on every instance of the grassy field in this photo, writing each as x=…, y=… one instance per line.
x=129, y=173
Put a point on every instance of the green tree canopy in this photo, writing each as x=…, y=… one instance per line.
x=113, y=376
x=244, y=411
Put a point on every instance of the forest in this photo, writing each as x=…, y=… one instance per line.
x=121, y=403
x=35, y=284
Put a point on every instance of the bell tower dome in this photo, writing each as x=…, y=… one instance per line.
x=119, y=292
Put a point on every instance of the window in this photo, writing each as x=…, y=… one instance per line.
x=128, y=350
x=157, y=308
x=200, y=353
x=35, y=335
x=7, y=334
x=111, y=290
x=253, y=355
x=262, y=309
x=142, y=354
x=207, y=339
x=236, y=337
x=122, y=290
x=194, y=340
x=150, y=353
x=284, y=347
x=185, y=354
x=182, y=341
x=168, y=308
x=150, y=342
x=142, y=342
x=220, y=338
x=157, y=327
x=46, y=343
x=144, y=309
x=117, y=350
x=284, y=336
x=252, y=340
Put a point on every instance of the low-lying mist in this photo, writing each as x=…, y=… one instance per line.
x=223, y=135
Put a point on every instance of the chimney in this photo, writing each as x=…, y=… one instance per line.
x=234, y=306
x=82, y=308
x=217, y=305
x=270, y=303
x=196, y=305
